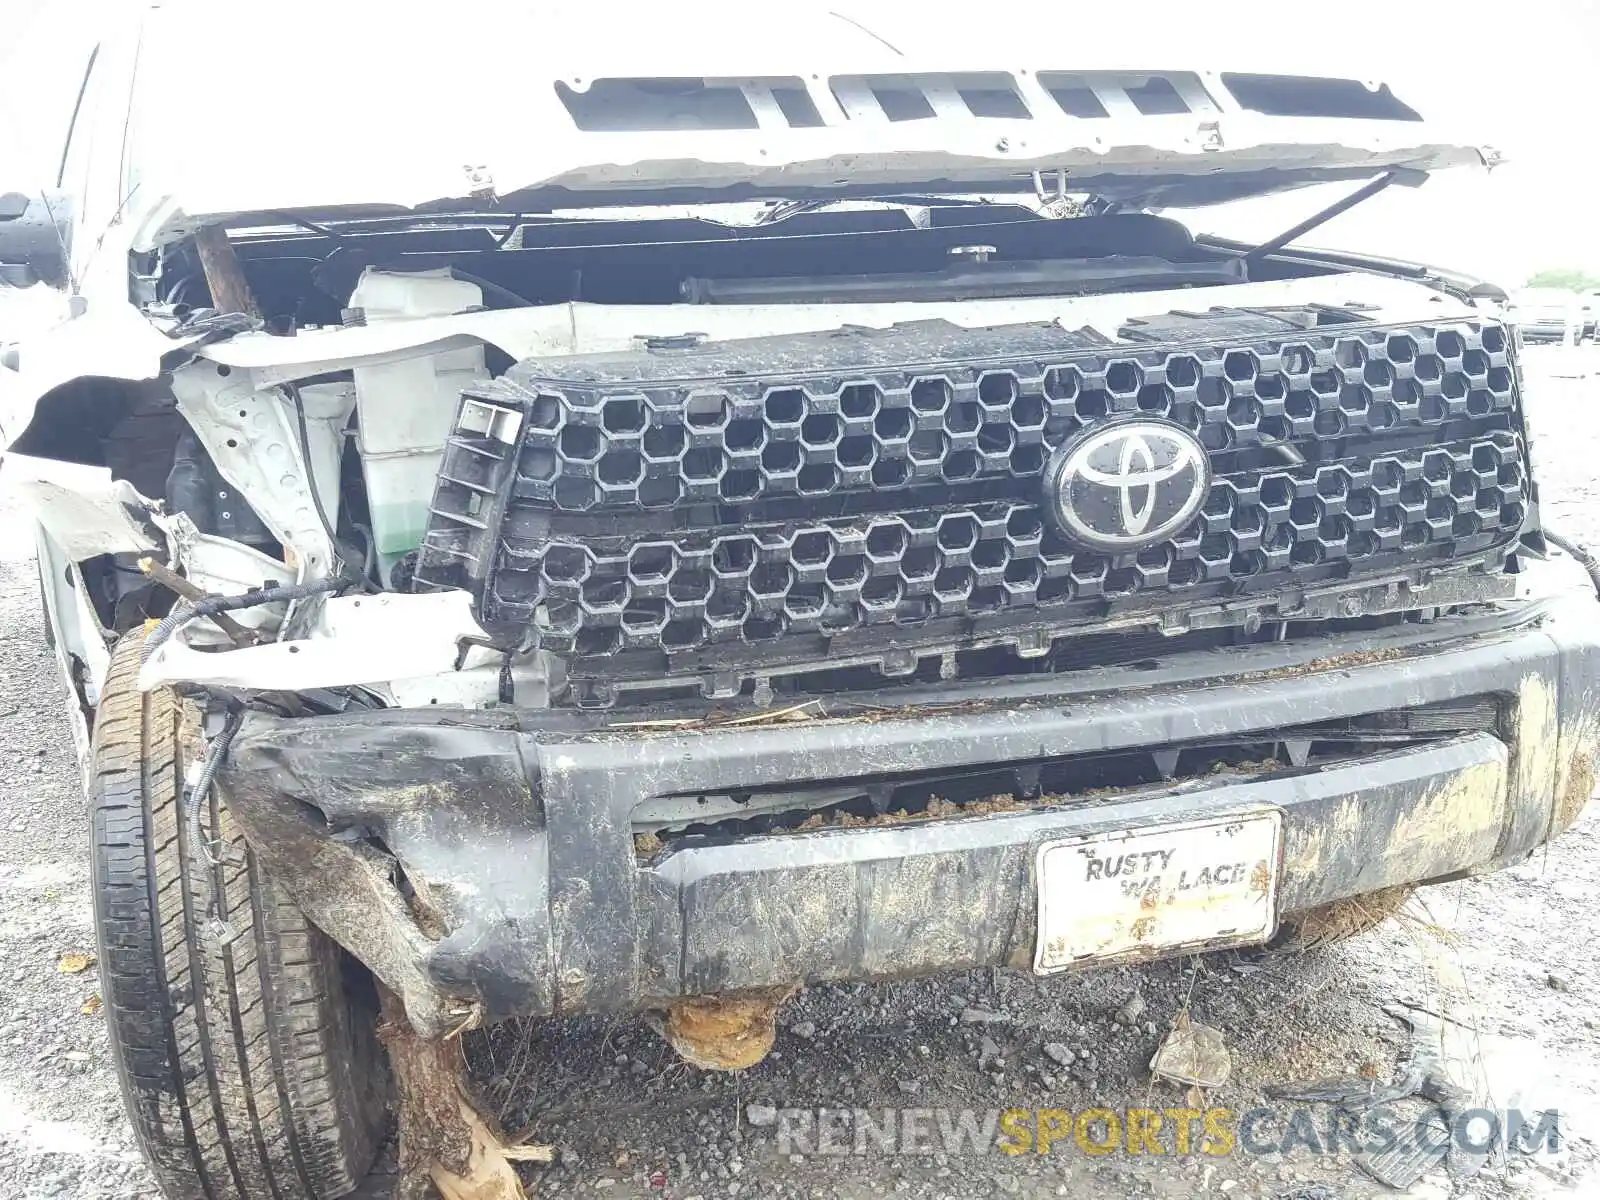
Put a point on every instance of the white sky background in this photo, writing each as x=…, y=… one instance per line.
x=1524, y=78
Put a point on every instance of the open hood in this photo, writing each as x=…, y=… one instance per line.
x=557, y=108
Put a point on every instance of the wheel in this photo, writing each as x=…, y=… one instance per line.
x=250, y=1069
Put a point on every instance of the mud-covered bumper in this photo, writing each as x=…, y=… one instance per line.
x=518, y=885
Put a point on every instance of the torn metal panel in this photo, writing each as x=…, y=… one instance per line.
x=253, y=437
x=356, y=640
x=222, y=567
x=86, y=512
x=79, y=634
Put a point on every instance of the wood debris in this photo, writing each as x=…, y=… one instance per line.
x=444, y=1137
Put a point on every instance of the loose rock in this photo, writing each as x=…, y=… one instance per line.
x=1059, y=1053
x=982, y=1016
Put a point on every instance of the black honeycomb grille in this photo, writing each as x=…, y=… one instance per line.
x=634, y=513
x=662, y=443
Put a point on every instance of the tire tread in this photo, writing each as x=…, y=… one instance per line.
x=246, y=1069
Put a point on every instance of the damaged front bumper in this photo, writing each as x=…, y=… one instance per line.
x=485, y=863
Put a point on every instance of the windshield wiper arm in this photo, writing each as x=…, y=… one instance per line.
x=1404, y=176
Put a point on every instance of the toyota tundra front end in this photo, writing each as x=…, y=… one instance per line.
x=808, y=515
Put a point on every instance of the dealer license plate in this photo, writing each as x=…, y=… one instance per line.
x=1202, y=884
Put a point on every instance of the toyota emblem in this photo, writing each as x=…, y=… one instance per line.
x=1122, y=486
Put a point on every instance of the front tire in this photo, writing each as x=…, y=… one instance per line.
x=251, y=1069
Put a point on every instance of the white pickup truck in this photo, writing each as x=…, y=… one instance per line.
x=653, y=519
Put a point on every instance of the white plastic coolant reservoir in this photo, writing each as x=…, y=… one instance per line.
x=406, y=409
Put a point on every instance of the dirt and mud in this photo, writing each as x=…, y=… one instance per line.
x=1509, y=957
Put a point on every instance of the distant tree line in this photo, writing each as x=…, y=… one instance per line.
x=1572, y=279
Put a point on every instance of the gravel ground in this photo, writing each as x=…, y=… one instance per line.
x=1510, y=955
